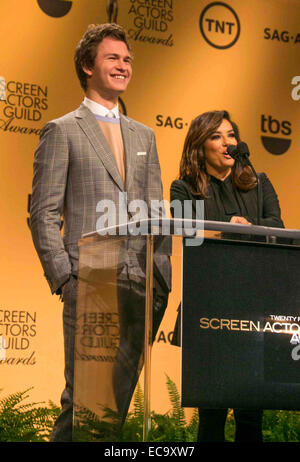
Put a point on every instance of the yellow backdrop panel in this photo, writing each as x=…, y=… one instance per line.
x=188, y=58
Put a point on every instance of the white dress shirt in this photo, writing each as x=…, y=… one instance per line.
x=100, y=110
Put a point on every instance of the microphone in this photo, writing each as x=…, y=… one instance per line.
x=236, y=152
x=232, y=150
x=243, y=149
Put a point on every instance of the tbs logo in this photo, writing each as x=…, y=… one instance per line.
x=271, y=126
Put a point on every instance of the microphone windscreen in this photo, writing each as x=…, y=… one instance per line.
x=232, y=150
x=243, y=148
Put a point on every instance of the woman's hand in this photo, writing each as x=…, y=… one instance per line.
x=240, y=220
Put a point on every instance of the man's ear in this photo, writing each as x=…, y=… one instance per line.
x=89, y=72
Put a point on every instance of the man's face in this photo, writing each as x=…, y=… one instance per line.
x=112, y=69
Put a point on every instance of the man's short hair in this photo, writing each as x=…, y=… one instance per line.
x=87, y=48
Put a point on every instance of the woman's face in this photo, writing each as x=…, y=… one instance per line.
x=217, y=161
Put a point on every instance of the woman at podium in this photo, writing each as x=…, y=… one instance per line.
x=232, y=192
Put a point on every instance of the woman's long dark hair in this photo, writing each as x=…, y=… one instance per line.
x=192, y=164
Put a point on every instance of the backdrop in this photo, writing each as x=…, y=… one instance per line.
x=189, y=57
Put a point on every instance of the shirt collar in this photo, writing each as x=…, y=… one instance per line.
x=98, y=109
x=228, y=179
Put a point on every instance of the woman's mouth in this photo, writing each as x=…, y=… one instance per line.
x=226, y=155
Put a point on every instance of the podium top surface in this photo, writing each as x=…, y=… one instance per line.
x=190, y=228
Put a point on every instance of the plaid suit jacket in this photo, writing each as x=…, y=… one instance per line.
x=74, y=169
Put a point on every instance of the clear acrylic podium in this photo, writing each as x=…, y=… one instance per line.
x=125, y=274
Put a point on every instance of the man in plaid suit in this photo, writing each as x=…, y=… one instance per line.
x=92, y=154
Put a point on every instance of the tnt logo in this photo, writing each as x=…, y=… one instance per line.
x=274, y=144
x=2, y=89
x=219, y=25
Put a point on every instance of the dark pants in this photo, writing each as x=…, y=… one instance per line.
x=131, y=305
x=62, y=431
x=129, y=361
x=212, y=423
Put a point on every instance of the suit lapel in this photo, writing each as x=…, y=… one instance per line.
x=90, y=127
x=128, y=140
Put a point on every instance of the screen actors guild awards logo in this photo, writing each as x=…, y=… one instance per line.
x=17, y=337
x=151, y=21
x=22, y=102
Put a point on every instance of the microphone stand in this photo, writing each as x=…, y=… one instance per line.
x=244, y=159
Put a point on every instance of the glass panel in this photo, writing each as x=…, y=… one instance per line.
x=110, y=340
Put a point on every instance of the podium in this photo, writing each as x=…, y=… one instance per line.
x=240, y=326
